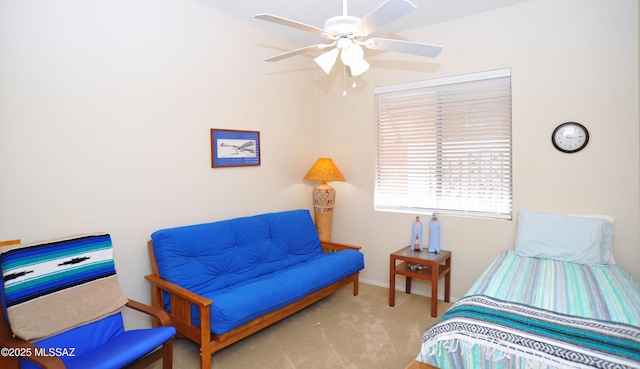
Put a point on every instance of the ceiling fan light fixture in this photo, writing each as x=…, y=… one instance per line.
x=347, y=34
x=359, y=68
x=351, y=54
x=327, y=60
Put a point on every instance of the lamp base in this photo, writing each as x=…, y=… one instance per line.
x=324, y=197
x=323, y=225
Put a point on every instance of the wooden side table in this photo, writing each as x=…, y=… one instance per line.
x=432, y=267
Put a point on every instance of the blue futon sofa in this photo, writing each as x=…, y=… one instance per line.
x=223, y=281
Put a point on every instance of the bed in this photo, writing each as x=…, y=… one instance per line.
x=558, y=300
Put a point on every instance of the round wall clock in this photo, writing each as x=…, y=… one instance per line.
x=570, y=137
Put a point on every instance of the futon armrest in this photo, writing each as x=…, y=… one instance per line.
x=161, y=315
x=329, y=246
x=174, y=289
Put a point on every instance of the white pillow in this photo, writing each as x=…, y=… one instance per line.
x=609, y=219
x=576, y=239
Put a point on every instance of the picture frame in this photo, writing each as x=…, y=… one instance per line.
x=234, y=148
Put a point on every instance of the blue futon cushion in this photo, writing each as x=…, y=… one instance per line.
x=103, y=344
x=238, y=305
x=250, y=266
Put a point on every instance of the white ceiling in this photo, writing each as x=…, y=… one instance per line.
x=316, y=12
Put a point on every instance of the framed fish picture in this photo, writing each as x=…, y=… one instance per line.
x=231, y=148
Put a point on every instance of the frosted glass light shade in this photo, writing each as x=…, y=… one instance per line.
x=351, y=53
x=359, y=68
x=327, y=60
x=353, y=56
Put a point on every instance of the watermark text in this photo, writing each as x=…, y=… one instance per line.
x=37, y=351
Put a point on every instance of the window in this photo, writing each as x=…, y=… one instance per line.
x=444, y=145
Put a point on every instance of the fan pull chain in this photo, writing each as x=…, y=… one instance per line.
x=344, y=80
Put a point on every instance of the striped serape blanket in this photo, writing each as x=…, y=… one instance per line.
x=53, y=286
x=508, y=333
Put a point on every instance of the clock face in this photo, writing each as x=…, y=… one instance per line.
x=570, y=137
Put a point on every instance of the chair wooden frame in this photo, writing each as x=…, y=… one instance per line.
x=8, y=340
x=182, y=299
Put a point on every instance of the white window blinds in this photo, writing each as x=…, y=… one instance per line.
x=445, y=145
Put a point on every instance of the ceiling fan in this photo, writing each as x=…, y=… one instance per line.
x=346, y=34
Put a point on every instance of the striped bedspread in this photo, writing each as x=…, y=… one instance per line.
x=603, y=292
x=53, y=286
x=505, y=329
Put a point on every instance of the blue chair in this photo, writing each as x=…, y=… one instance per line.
x=62, y=308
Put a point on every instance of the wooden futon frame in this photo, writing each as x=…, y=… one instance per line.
x=182, y=299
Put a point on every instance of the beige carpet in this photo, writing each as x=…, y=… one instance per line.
x=341, y=331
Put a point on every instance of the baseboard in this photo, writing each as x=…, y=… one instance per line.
x=413, y=291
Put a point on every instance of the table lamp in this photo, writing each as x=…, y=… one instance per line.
x=324, y=196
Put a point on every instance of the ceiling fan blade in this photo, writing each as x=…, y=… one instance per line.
x=407, y=47
x=289, y=23
x=384, y=14
x=297, y=51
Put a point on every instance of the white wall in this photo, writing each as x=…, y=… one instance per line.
x=571, y=60
x=105, y=112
